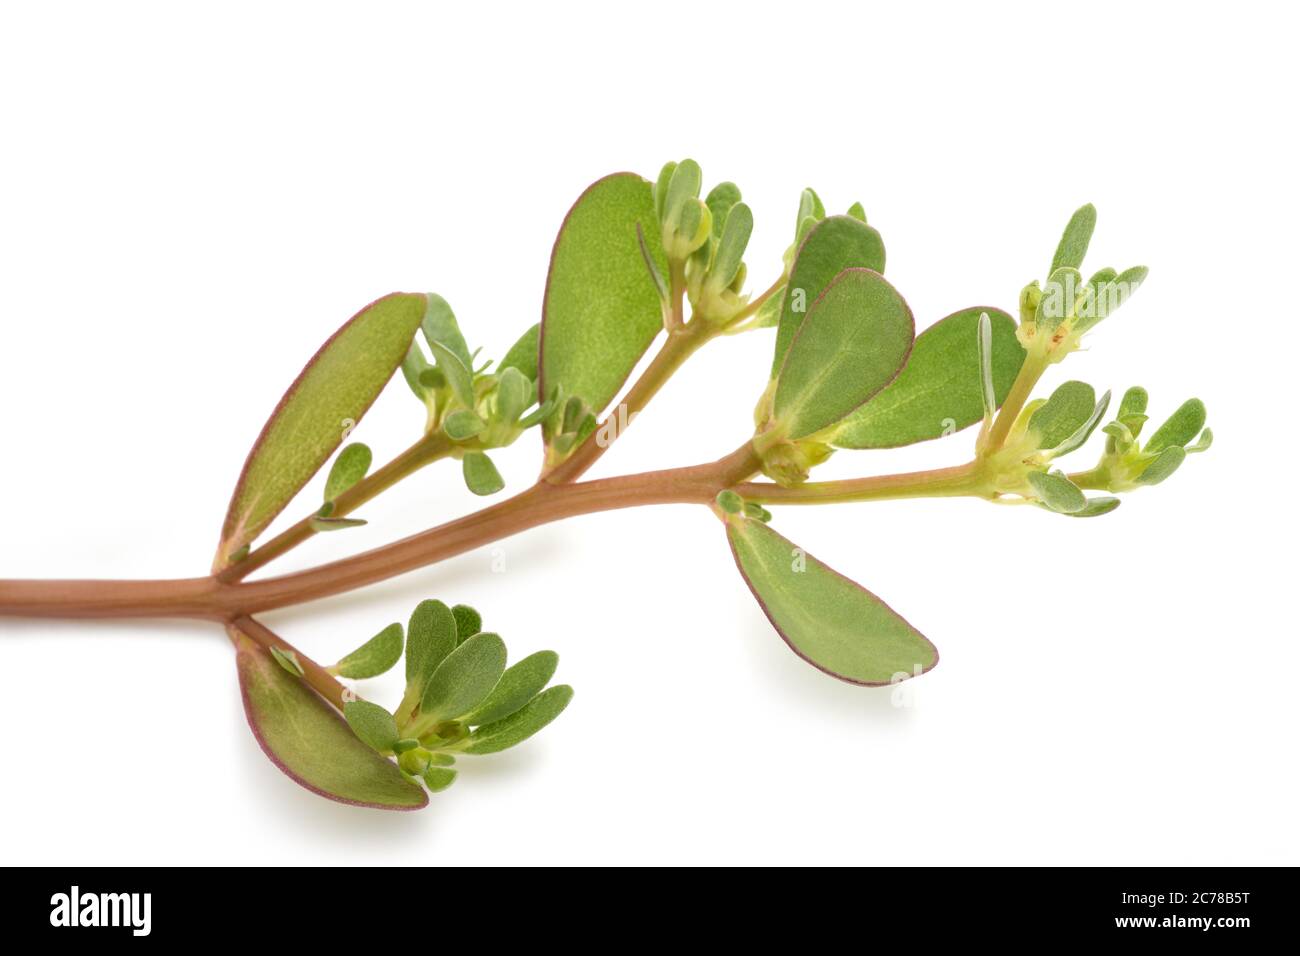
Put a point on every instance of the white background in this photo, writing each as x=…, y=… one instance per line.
x=190, y=202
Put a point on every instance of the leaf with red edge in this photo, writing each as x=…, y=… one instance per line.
x=310, y=742
x=833, y=623
x=326, y=400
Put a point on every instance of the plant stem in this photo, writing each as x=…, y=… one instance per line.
x=959, y=480
x=736, y=325
x=317, y=677
x=680, y=345
x=214, y=599
x=1031, y=370
x=432, y=447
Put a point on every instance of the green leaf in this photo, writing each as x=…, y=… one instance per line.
x=481, y=476
x=415, y=369
x=522, y=724
x=1057, y=492
x=430, y=637
x=683, y=189
x=721, y=199
x=1182, y=426
x=1074, y=242
x=660, y=188
x=519, y=684
x=854, y=341
x=938, y=390
x=1133, y=405
x=1063, y=413
x=288, y=660
x=731, y=246
x=523, y=354
x=1096, y=507
x=833, y=623
x=513, y=395
x=311, y=743
x=463, y=679
x=463, y=424
x=1058, y=300
x=1165, y=464
x=730, y=502
x=984, y=348
x=857, y=212
x=325, y=523
x=833, y=245
x=810, y=207
x=1203, y=443
x=1084, y=431
x=441, y=329
x=468, y=622
x=374, y=725
x=457, y=374
x=1111, y=296
x=349, y=467
x=601, y=309
x=329, y=397
x=438, y=779
x=374, y=657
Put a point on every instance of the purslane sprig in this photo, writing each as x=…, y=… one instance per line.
x=638, y=262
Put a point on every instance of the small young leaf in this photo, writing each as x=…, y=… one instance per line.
x=430, y=637
x=832, y=245
x=1057, y=492
x=601, y=310
x=1132, y=405
x=836, y=625
x=481, y=476
x=310, y=742
x=1182, y=426
x=415, y=369
x=457, y=374
x=721, y=199
x=857, y=212
x=984, y=346
x=1058, y=299
x=326, y=523
x=349, y=467
x=438, y=779
x=463, y=679
x=468, y=622
x=522, y=724
x=330, y=395
x=730, y=502
x=1084, y=431
x=463, y=424
x=523, y=354
x=659, y=190
x=374, y=725
x=1062, y=414
x=514, y=394
x=519, y=684
x=288, y=660
x=1111, y=296
x=374, y=657
x=1203, y=443
x=938, y=390
x=854, y=341
x=731, y=246
x=1074, y=242
x=441, y=328
x=1165, y=464
x=1096, y=507
x=683, y=189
